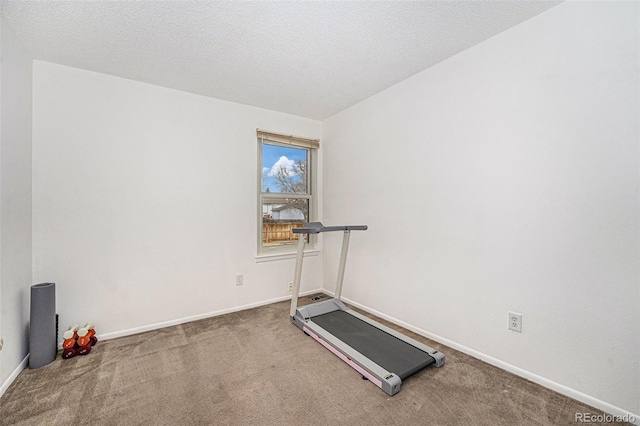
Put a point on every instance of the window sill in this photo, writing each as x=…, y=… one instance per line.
x=271, y=257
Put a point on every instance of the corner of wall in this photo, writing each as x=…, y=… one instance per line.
x=16, y=126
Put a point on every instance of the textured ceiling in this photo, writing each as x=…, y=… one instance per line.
x=311, y=59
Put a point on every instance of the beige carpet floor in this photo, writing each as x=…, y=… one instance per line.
x=255, y=368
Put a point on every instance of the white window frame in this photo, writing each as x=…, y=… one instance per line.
x=312, y=146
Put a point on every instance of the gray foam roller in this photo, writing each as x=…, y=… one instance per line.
x=42, y=329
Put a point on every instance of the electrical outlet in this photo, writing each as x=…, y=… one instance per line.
x=1, y=344
x=290, y=287
x=239, y=279
x=515, y=322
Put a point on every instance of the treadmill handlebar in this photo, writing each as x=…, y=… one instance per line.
x=317, y=227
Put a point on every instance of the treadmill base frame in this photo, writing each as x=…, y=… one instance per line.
x=388, y=381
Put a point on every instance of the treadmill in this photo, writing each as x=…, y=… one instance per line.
x=380, y=354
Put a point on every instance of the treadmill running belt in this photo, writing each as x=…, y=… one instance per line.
x=389, y=352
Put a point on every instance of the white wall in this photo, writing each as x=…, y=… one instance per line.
x=506, y=178
x=144, y=201
x=15, y=202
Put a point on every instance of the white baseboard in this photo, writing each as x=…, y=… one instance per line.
x=170, y=323
x=562, y=389
x=12, y=377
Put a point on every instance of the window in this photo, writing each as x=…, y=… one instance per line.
x=286, y=189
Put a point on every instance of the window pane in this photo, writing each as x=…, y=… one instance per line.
x=279, y=217
x=284, y=169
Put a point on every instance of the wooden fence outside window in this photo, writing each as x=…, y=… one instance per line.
x=278, y=232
